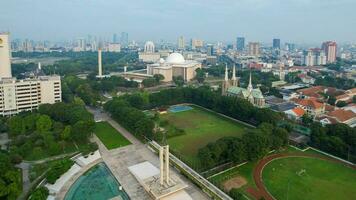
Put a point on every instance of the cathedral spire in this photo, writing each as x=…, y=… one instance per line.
x=234, y=73
x=249, y=87
x=226, y=73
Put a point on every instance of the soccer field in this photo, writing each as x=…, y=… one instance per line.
x=309, y=178
x=201, y=127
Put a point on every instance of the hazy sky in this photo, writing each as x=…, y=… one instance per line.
x=303, y=21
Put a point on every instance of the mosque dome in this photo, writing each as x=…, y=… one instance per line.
x=175, y=58
x=161, y=60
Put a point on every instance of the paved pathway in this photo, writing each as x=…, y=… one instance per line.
x=118, y=160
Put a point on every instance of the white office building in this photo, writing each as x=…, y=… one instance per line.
x=26, y=94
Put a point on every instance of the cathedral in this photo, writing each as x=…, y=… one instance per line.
x=231, y=88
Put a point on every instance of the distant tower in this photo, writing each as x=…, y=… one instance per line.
x=100, y=67
x=225, y=84
x=281, y=72
x=5, y=55
x=234, y=79
x=249, y=87
x=39, y=66
x=149, y=47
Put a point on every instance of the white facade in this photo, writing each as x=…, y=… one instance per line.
x=114, y=47
x=5, y=55
x=26, y=95
x=174, y=65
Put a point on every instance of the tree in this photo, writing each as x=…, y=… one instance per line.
x=331, y=100
x=178, y=80
x=307, y=120
x=43, y=124
x=158, y=78
x=66, y=133
x=82, y=130
x=149, y=82
x=40, y=193
x=200, y=75
x=341, y=104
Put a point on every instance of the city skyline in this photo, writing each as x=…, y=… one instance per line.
x=167, y=20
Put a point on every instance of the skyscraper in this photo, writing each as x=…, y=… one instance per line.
x=114, y=38
x=330, y=49
x=181, y=43
x=124, y=39
x=5, y=55
x=276, y=43
x=197, y=43
x=254, y=48
x=210, y=49
x=240, y=43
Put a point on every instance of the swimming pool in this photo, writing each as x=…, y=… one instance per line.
x=179, y=108
x=96, y=184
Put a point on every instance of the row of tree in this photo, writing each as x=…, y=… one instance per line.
x=336, y=139
x=130, y=117
x=253, y=145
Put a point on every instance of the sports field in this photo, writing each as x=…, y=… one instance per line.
x=309, y=178
x=109, y=136
x=201, y=127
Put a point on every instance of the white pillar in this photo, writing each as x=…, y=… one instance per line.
x=167, y=164
x=100, y=64
x=161, y=164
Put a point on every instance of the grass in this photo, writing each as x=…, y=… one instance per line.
x=201, y=127
x=110, y=136
x=321, y=179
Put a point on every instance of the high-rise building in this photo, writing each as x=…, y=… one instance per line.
x=210, y=49
x=240, y=43
x=5, y=55
x=124, y=38
x=330, y=49
x=254, y=48
x=276, y=43
x=181, y=43
x=314, y=57
x=114, y=38
x=25, y=94
x=197, y=43
x=290, y=46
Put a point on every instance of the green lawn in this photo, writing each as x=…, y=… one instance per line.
x=201, y=127
x=109, y=136
x=309, y=178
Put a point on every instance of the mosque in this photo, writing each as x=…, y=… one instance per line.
x=174, y=65
x=230, y=88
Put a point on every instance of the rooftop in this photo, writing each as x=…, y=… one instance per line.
x=342, y=115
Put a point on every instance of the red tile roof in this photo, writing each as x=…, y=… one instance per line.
x=298, y=111
x=342, y=115
x=313, y=103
